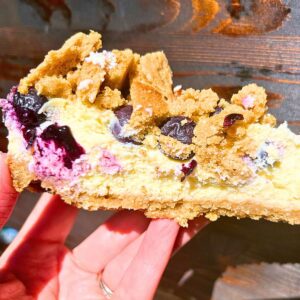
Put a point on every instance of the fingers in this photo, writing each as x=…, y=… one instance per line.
x=143, y=275
x=8, y=195
x=12, y=288
x=116, y=268
x=110, y=239
x=50, y=222
x=186, y=234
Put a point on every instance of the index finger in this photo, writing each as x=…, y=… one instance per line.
x=8, y=195
x=144, y=273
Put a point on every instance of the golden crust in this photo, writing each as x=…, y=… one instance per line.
x=183, y=211
x=19, y=172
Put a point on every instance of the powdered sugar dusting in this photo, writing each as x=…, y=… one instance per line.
x=248, y=101
x=84, y=84
x=109, y=164
x=105, y=59
x=149, y=110
x=177, y=88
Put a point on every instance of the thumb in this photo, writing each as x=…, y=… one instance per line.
x=8, y=195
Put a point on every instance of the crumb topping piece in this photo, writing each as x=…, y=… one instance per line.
x=252, y=98
x=109, y=99
x=54, y=87
x=193, y=103
x=150, y=88
x=60, y=62
x=96, y=74
x=174, y=148
x=116, y=77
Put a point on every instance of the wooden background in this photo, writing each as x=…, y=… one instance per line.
x=222, y=44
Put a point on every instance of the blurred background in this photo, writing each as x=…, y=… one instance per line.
x=222, y=44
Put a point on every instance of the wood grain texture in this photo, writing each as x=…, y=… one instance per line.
x=223, y=44
x=250, y=282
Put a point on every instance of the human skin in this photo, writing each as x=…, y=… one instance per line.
x=129, y=251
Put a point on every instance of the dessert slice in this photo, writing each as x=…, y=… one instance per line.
x=106, y=130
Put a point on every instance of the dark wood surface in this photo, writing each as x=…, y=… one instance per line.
x=222, y=44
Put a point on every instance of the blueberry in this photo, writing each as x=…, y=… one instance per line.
x=29, y=135
x=26, y=108
x=218, y=109
x=231, y=119
x=123, y=115
x=179, y=128
x=63, y=138
x=31, y=101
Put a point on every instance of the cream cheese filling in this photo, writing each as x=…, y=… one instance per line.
x=145, y=170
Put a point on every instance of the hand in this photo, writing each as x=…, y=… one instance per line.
x=129, y=252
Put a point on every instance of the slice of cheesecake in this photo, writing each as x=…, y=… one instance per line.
x=107, y=130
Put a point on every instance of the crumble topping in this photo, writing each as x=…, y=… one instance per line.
x=109, y=99
x=143, y=85
x=174, y=148
x=117, y=77
x=60, y=62
x=193, y=103
x=54, y=86
x=96, y=74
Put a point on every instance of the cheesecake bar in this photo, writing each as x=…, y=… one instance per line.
x=108, y=130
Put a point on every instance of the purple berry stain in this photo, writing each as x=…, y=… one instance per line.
x=27, y=108
x=179, y=128
x=63, y=138
x=188, y=168
x=123, y=115
x=230, y=119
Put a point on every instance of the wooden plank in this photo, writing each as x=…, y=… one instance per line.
x=254, y=281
